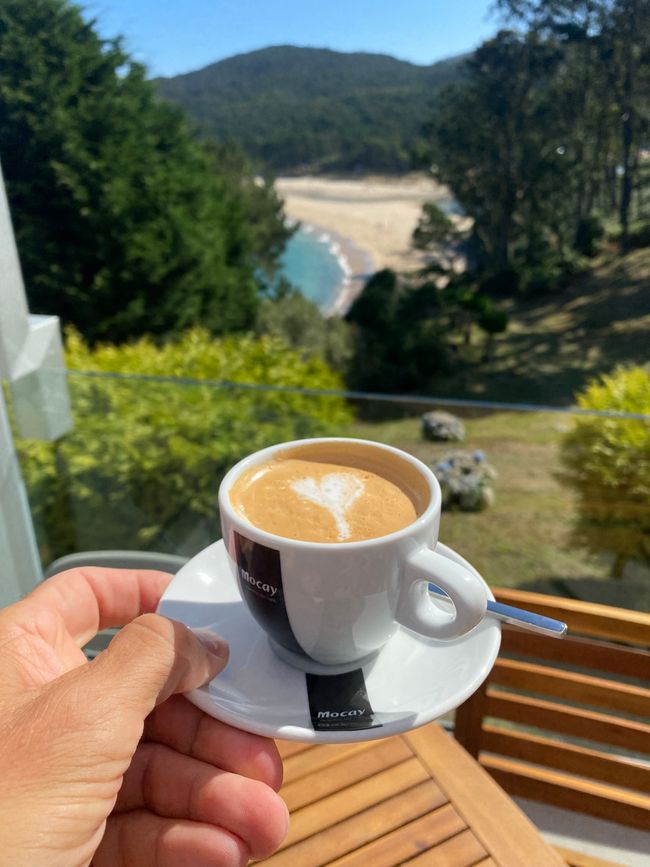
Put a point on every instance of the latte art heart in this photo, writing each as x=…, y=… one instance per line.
x=335, y=492
x=319, y=501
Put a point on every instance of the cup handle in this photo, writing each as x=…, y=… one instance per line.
x=417, y=610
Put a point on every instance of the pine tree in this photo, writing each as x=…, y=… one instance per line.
x=126, y=223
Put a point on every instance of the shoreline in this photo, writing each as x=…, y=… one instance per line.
x=370, y=221
x=357, y=265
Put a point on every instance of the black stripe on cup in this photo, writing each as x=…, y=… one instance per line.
x=260, y=582
x=339, y=702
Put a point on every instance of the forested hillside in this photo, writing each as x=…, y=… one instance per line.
x=313, y=109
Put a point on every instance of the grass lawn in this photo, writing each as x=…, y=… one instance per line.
x=524, y=539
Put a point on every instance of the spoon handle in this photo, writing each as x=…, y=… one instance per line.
x=519, y=617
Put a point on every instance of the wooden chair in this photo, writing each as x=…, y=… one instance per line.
x=567, y=722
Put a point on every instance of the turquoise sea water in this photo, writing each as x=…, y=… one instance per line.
x=312, y=262
x=311, y=265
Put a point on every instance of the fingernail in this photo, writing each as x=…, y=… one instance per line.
x=216, y=645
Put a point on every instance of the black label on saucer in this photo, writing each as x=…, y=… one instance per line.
x=260, y=581
x=340, y=702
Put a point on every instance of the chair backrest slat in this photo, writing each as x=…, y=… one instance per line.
x=586, y=618
x=589, y=725
x=567, y=721
x=624, y=772
x=573, y=687
x=560, y=790
x=585, y=653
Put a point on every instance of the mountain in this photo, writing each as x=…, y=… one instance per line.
x=298, y=109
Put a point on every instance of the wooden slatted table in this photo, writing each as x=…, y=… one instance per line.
x=418, y=798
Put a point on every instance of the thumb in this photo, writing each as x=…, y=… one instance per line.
x=152, y=658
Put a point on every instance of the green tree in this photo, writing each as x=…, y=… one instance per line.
x=125, y=222
x=544, y=138
x=605, y=89
x=399, y=343
x=141, y=467
x=440, y=237
x=456, y=290
x=607, y=461
x=497, y=141
x=303, y=327
x=434, y=228
x=255, y=206
x=411, y=332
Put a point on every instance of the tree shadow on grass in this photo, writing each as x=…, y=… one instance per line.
x=558, y=342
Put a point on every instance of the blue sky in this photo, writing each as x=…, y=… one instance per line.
x=180, y=35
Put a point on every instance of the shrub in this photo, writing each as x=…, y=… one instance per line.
x=551, y=273
x=607, y=461
x=141, y=467
x=465, y=481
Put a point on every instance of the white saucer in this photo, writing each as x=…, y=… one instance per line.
x=412, y=681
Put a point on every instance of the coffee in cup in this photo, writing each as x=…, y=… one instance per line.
x=306, y=496
x=332, y=544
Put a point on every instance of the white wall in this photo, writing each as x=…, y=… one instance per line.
x=31, y=361
x=20, y=567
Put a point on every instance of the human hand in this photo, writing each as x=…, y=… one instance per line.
x=104, y=762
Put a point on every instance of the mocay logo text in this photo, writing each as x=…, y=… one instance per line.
x=339, y=714
x=254, y=582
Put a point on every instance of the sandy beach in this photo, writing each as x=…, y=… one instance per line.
x=370, y=219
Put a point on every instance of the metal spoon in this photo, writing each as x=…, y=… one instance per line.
x=519, y=617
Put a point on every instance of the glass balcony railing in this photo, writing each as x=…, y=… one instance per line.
x=547, y=500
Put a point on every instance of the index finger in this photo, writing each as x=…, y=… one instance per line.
x=90, y=599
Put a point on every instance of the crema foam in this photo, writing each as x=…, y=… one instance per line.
x=318, y=501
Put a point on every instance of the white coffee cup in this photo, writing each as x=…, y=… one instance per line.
x=331, y=606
